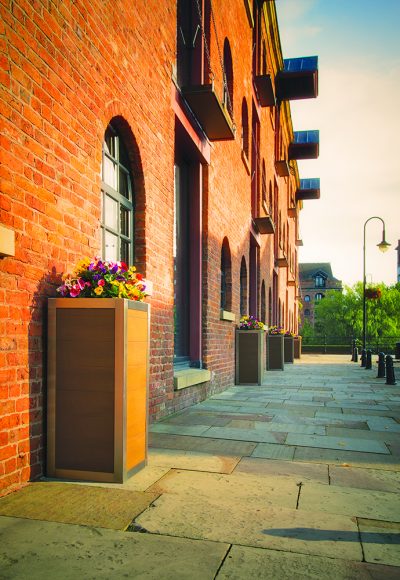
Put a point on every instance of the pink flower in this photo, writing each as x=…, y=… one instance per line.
x=100, y=282
x=75, y=291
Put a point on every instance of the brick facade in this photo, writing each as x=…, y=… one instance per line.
x=68, y=68
x=315, y=279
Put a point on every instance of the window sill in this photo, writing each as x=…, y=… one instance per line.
x=226, y=315
x=189, y=377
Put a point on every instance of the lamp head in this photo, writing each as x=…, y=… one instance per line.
x=383, y=245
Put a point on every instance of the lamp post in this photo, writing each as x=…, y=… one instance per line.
x=383, y=246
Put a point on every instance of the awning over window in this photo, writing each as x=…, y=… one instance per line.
x=309, y=189
x=210, y=112
x=298, y=79
x=305, y=145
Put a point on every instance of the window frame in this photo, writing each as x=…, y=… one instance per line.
x=127, y=203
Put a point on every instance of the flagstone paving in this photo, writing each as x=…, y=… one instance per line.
x=295, y=479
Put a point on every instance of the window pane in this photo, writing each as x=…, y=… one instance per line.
x=111, y=213
x=109, y=172
x=125, y=246
x=124, y=221
x=109, y=142
x=123, y=155
x=124, y=183
x=111, y=249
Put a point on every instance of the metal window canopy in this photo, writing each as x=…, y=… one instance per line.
x=265, y=224
x=305, y=145
x=265, y=90
x=298, y=79
x=282, y=261
x=282, y=168
x=309, y=189
x=211, y=114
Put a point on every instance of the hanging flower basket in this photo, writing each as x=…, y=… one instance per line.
x=373, y=293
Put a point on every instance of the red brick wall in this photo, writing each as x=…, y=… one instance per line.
x=68, y=68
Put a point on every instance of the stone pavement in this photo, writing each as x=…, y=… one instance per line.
x=297, y=478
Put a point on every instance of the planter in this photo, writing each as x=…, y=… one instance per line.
x=250, y=349
x=288, y=349
x=297, y=347
x=98, y=350
x=275, y=352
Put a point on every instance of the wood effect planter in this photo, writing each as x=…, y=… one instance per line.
x=250, y=355
x=297, y=347
x=288, y=349
x=275, y=352
x=98, y=350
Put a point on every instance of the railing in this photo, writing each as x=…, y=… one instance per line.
x=326, y=343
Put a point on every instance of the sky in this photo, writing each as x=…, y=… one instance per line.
x=357, y=112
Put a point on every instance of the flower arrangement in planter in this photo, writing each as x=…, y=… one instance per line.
x=251, y=323
x=274, y=330
x=373, y=293
x=101, y=279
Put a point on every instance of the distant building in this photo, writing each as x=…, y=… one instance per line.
x=315, y=279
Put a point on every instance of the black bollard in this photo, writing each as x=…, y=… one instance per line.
x=368, y=360
x=381, y=366
x=363, y=357
x=355, y=354
x=390, y=378
x=353, y=346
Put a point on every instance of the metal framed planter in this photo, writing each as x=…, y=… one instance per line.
x=98, y=351
x=250, y=356
x=297, y=347
x=275, y=352
x=288, y=349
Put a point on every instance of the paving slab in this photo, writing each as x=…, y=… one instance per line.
x=178, y=429
x=297, y=471
x=380, y=541
x=218, y=446
x=275, y=528
x=271, y=451
x=351, y=458
x=241, y=434
x=350, y=444
x=378, y=505
x=385, y=436
x=192, y=460
x=375, y=479
x=46, y=551
x=244, y=562
x=290, y=428
x=76, y=504
x=255, y=491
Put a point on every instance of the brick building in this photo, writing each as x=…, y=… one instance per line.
x=159, y=133
x=315, y=279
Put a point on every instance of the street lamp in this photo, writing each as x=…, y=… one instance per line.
x=383, y=247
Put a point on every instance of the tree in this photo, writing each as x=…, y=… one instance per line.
x=341, y=314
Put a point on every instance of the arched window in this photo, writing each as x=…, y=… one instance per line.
x=228, y=80
x=117, y=199
x=307, y=298
x=226, y=276
x=306, y=312
x=264, y=184
x=243, y=287
x=319, y=296
x=245, y=128
x=270, y=307
x=270, y=197
x=263, y=311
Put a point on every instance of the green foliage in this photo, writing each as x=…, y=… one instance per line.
x=341, y=314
